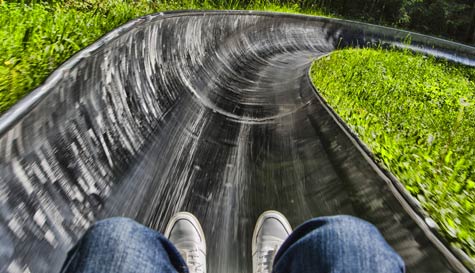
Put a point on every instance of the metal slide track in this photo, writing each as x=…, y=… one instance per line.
x=209, y=112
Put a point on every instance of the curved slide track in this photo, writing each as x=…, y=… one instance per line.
x=209, y=112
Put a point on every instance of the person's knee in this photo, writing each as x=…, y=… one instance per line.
x=115, y=223
x=352, y=224
x=114, y=229
x=342, y=228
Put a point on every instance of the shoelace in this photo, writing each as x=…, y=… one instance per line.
x=191, y=258
x=265, y=260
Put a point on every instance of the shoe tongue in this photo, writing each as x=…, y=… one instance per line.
x=193, y=259
x=265, y=259
x=185, y=244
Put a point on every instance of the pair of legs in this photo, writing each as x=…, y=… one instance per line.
x=325, y=244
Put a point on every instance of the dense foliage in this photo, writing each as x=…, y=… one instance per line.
x=452, y=19
x=417, y=115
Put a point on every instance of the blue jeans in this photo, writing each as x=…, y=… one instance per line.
x=325, y=244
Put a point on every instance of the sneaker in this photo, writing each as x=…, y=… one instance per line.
x=272, y=228
x=186, y=234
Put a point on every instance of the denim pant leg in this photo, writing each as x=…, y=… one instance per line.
x=121, y=245
x=337, y=244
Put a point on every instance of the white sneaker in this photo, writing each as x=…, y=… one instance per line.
x=272, y=228
x=185, y=232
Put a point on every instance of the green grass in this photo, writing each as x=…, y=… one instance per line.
x=36, y=38
x=417, y=115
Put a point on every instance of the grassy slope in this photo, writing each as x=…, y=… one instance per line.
x=36, y=38
x=417, y=115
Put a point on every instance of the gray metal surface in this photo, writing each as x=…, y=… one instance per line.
x=210, y=112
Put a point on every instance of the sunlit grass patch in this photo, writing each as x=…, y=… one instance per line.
x=35, y=39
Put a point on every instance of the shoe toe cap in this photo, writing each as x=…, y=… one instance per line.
x=273, y=228
x=184, y=229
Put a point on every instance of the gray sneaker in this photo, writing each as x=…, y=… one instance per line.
x=185, y=232
x=272, y=228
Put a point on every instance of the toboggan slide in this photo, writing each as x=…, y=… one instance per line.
x=209, y=112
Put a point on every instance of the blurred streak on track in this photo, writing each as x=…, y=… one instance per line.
x=210, y=112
